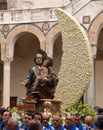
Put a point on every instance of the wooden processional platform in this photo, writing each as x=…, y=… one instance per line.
x=50, y=106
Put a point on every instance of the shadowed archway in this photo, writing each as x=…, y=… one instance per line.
x=24, y=49
x=3, y=4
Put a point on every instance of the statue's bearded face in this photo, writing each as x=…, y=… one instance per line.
x=39, y=59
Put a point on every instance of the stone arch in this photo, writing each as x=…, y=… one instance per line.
x=2, y=39
x=54, y=47
x=94, y=30
x=50, y=38
x=17, y=31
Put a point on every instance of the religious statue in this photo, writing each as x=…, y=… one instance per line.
x=41, y=82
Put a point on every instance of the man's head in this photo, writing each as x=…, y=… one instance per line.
x=12, y=123
x=35, y=125
x=77, y=119
x=40, y=56
x=96, y=109
x=99, y=122
x=88, y=120
x=56, y=122
x=1, y=113
x=38, y=116
x=46, y=119
x=6, y=116
x=100, y=111
x=27, y=117
x=69, y=121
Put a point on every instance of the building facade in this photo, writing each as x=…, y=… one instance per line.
x=26, y=25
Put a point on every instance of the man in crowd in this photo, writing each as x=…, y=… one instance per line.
x=13, y=124
x=27, y=117
x=6, y=116
x=35, y=125
x=57, y=123
x=89, y=123
x=99, y=122
x=46, y=125
x=69, y=123
x=38, y=116
x=77, y=121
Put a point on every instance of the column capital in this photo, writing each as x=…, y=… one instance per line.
x=4, y=54
x=7, y=59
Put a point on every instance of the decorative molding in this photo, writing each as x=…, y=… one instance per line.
x=27, y=4
x=4, y=57
x=7, y=60
x=45, y=26
x=12, y=4
x=5, y=28
x=86, y=19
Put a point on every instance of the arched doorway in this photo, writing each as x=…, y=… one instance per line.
x=99, y=71
x=95, y=36
x=24, y=49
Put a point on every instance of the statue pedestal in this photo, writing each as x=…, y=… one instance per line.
x=25, y=106
x=49, y=106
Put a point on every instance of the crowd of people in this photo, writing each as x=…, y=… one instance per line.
x=41, y=121
x=41, y=84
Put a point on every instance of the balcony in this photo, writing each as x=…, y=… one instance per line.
x=26, y=16
x=38, y=15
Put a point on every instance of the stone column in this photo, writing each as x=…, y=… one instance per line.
x=6, y=82
x=6, y=58
x=90, y=94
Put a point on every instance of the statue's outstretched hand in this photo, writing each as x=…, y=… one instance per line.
x=23, y=82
